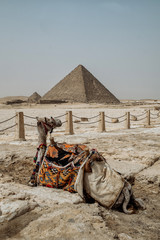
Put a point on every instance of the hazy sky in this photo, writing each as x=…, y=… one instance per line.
x=118, y=41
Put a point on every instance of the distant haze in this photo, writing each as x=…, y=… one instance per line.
x=118, y=41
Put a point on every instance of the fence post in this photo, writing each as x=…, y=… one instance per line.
x=20, y=132
x=69, y=123
x=102, y=122
x=148, y=118
x=128, y=120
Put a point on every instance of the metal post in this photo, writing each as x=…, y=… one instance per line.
x=20, y=132
x=102, y=122
x=128, y=120
x=69, y=123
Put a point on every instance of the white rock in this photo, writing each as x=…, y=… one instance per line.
x=123, y=236
x=11, y=209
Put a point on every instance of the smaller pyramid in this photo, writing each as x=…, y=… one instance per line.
x=34, y=98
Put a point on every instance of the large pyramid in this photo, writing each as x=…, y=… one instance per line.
x=79, y=86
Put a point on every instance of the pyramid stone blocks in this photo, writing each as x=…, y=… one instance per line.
x=79, y=86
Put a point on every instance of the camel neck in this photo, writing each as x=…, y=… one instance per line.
x=42, y=139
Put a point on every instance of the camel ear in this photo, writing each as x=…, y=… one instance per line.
x=38, y=121
x=52, y=119
x=45, y=119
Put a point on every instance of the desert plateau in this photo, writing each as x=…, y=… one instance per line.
x=43, y=213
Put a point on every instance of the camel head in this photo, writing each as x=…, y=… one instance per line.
x=48, y=124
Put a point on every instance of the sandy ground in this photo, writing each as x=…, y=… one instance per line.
x=43, y=213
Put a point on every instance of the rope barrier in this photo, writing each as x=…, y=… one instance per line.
x=115, y=117
x=138, y=115
x=8, y=128
x=29, y=117
x=155, y=117
x=87, y=122
x=122, y=116
x=141, y=119
x=93, y=117
x=35, y=117
x=108, y=122
x=108, y=117
x=76, y=116
x=118, y=121
x=123, y=120
x=60, y=116
x=85, y=117
x=8, y=119
x=30, y=125
x=154, y=114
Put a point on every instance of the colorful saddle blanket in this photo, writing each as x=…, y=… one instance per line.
x=60, y=166
x=66, y=167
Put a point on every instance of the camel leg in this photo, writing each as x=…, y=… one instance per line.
x=139, y=203
x=127, y=195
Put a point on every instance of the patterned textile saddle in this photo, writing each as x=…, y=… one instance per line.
x=61, y=165
x=76, y=169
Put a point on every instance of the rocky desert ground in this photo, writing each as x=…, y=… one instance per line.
x=43, y=213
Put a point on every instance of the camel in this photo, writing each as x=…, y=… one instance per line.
x=96, y=173
x=44, y=125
